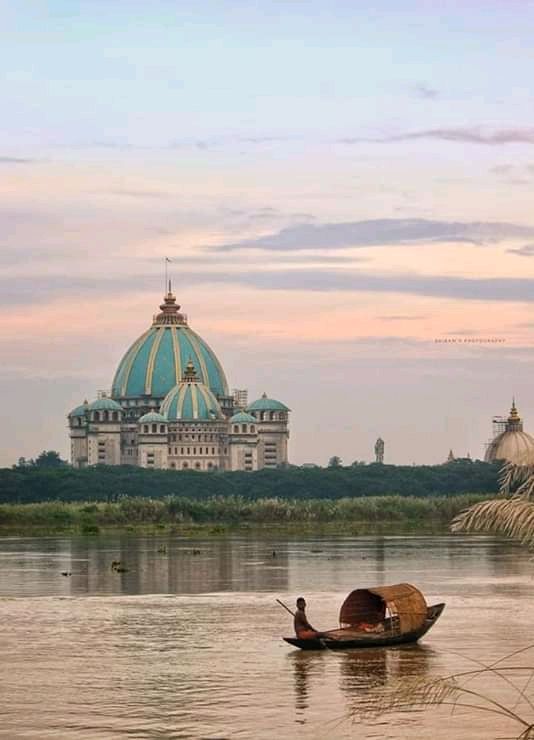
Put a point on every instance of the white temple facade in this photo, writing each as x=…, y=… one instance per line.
x=170, y=408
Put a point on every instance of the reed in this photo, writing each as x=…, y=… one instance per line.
x=231, y=510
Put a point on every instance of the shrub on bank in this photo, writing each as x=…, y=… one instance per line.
x=128, y=512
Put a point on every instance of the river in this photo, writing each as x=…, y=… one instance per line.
x=186, y=643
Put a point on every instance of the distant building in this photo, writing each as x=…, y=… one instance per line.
x=450, y=457
x=240, y=398
x=511, y=443
x=169, y=407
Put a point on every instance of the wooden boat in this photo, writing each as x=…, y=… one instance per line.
x=377, y=617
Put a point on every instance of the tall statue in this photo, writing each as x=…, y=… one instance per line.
x=379, y=450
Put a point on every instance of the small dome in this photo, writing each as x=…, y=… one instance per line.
x=191, y=401
x=152, y=416
x=104, y=404
x=267, y=404
x=243, y=418
x=80, y=410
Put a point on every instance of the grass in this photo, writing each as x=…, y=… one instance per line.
x=216, y=515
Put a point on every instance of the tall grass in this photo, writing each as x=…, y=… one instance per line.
x=232, y=510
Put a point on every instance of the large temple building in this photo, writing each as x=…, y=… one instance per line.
x=510, y=442
x=170, y=407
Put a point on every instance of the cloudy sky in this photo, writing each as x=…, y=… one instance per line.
x=341, y=186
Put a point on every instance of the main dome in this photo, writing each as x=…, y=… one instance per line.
x=155, y=363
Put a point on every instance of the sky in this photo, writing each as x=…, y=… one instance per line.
x=344, y=190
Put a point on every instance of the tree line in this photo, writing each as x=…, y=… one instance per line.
x=49, y=479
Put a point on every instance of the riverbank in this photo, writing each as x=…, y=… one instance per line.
x=218, y=515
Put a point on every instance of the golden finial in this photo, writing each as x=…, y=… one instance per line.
x=514, y=416
x=190, y=373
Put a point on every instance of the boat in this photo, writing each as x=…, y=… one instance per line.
x=377, y=617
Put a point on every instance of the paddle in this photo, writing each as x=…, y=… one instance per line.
x=285, y=607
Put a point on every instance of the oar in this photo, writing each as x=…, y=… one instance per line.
x=285, y=607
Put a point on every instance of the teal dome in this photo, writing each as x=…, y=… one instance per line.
x=80, y=410
x=267, y=404
x=155, y=363
x=104, y=404
x=242, y=418
x=191, y=402
x=152, y=416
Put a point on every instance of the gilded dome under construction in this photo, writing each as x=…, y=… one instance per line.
x=513, y=444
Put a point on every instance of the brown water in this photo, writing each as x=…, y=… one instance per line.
x=187, y=644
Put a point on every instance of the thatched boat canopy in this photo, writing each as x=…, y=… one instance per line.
x=369, y=605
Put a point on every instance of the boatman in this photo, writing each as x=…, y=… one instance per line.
x=303, y=628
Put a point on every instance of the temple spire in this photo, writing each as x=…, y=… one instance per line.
x=190, y=373
x=170, y=311
x=514, y=422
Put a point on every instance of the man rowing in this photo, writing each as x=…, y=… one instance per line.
x=303, y=628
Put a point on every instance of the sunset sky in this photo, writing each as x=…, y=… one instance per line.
x=341, y=186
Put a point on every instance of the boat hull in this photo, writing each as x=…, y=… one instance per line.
x=366, y=640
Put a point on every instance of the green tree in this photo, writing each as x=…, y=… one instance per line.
x=334, y=462
x=49, y=459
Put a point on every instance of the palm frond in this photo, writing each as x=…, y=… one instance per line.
x=517, y=477
x=513, y=517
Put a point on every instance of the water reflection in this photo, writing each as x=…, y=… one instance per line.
x=360, y=673
x=149, y=566
x=306, y=666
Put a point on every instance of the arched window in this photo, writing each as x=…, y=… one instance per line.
x=173, y=465
x=210, y=465
x=162, y=428
x=154, y=428
x=252, y=428
x=236, y=428
x=185, y=465
x=97, y=415
x=115, y=416
x=244, y=428
x=106, y=415
x=197, y=466
x=145, y=428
